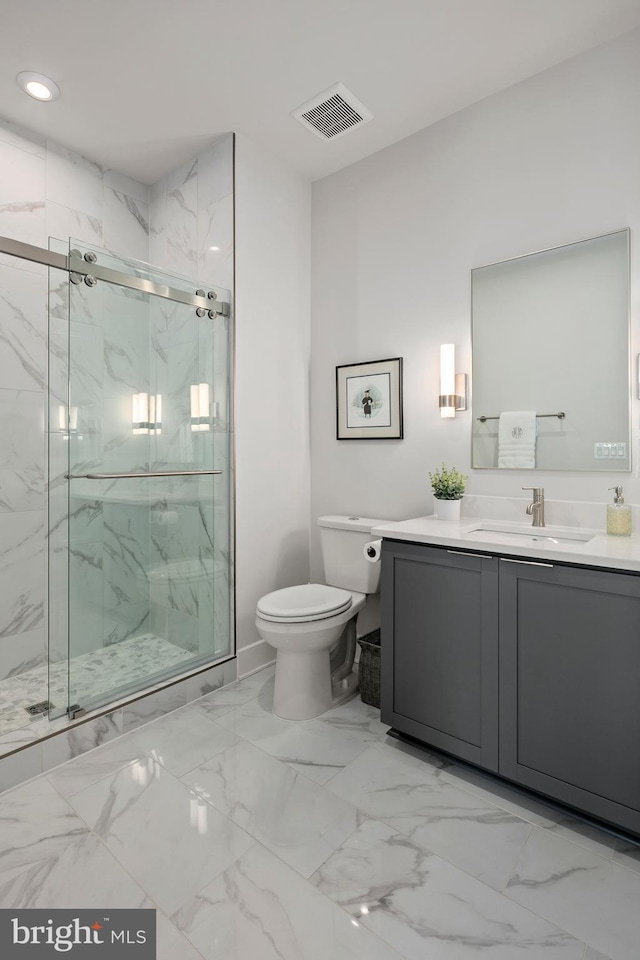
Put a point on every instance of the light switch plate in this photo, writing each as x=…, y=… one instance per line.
x=609, y=450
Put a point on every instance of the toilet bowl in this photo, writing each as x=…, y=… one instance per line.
x=303, y=686
x=309, y=623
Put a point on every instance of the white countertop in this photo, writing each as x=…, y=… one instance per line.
x=621, y=553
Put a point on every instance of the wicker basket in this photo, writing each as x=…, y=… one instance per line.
x=369, y=668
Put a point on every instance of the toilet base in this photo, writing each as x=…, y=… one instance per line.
x=303, y=689
x=344, y=689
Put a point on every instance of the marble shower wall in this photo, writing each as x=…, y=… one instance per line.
x=49, y=191
x=45, y=190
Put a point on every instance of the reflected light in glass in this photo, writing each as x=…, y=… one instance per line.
x=200, y=406
x=146, y=413
x=202, y=818
x=66, y=424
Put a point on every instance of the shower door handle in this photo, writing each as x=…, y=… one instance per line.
x=156, y=473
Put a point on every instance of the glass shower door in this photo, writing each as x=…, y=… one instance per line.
x=148, y=470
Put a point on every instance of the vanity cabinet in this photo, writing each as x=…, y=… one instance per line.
x=570, y=686
x=440, y=648
x=525, y=668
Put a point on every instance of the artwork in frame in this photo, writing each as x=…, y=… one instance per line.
x=369, y=400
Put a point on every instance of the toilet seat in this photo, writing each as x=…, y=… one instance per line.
x=301, y=604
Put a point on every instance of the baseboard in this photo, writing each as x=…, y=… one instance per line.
x=254, y=657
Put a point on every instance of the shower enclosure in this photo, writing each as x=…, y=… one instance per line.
x=139, y=502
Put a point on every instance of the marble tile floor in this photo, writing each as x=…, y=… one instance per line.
x=258, y=839
x=115, y=665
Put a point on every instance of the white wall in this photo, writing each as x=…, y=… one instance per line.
x=551, y=160
x=273, y=207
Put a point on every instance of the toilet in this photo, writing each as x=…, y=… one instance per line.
x=313, y=626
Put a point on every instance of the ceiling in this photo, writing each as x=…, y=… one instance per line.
x=146, y=83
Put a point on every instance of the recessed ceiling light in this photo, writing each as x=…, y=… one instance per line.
x=214, y=248
x=38, y=86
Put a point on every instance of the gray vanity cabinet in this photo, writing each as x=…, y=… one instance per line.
x=570, y=686
x=440, y=648
x=551, y=649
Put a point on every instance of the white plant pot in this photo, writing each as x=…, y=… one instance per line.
x=447, y=509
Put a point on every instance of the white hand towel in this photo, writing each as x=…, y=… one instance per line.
x=517, y=439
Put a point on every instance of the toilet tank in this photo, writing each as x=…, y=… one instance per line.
x=342, y=540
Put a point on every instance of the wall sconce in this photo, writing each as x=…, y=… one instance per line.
x=453, y=386
x=200, y=417
x=146, y=413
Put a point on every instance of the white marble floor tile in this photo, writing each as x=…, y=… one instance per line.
x=627, y=854
x=170, y=841
x=259, y=685
x=419, y=754
x=297, y=819
x=514, y=801
x=184, y=740
x=78, y=740
x=259, y=909
x=476, y=836
x=315, y=749
x=171, y=945
x=593, y=898
x=36, y=824
x=83, y=874
x=389, y=845
x=425, y=907
x=585, y=834
x=96, y=765
x=358, y=719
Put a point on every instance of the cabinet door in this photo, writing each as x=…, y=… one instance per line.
x=440, y=648
x=570, y=686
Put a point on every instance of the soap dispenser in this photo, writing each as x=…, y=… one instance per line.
x=618, y=515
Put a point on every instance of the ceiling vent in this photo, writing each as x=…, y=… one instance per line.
x=332, y=113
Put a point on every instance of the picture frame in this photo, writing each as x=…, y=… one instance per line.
x=369, y=400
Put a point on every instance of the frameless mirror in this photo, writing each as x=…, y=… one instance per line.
x=551, y=337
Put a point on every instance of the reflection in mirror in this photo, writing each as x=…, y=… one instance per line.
x=550, y=336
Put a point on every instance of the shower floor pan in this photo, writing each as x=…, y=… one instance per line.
x=121, y=663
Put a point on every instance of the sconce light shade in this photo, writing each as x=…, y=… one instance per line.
x=453, y=386
x=447, y=380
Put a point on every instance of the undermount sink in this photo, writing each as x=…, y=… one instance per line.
x=516, y=533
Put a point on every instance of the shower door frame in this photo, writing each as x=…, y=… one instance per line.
x=78, y=268
x=85, y=269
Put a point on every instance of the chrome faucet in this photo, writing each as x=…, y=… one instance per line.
x=535, y=509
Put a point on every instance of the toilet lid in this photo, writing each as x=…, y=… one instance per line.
x=309, y=601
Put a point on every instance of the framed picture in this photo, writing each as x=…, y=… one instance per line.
x=369, y=400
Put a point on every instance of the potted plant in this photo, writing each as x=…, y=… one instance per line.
x=448, y=489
